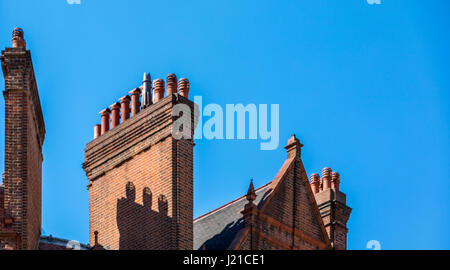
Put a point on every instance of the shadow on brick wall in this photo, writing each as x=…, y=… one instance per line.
x=140, y=227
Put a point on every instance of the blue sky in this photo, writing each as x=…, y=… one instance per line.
x=364, y=87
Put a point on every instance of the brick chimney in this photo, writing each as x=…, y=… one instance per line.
x=141, y=178
x=332, y=206
x=24, y=137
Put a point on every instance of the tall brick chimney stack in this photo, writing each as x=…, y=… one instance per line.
x=24, y=136
x=141, y=177
x=332, y=206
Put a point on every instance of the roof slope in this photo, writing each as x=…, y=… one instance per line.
x=55, y=243
x=217, y=229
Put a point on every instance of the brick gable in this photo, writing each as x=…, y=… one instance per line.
x=288, y=218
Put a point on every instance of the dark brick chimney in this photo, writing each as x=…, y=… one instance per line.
x=24, y=136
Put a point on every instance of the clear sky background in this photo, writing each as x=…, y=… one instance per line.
x=364, y=87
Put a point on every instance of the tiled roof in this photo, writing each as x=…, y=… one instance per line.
x=54, y=243
x=217, y=229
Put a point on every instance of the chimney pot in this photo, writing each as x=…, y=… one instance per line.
x=115, y=115
x=158, y=89
x=183, y=87
x=335, y=180
x=105, y=120
x=171, y=84
x=315, y=182
x=326, y=178
x=17, y=38
x=97, y=131
x=135, y=103
x=125, y=107
x=146, y=91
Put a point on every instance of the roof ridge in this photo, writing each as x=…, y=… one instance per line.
x=229, y=203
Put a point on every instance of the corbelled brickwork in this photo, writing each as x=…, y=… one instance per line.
x=335, y=214
x=24, y=136
x=141, y=180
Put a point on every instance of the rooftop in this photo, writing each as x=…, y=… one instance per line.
x=217, y=228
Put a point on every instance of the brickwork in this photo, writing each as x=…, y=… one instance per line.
x=141, y=182
x=289, y=217
x=2, y=210
x=335, y=214
x=24, y=136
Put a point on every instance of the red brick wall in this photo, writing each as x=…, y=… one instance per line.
x=24, y=135
x=156, y=212
x=34, y=185
x=2, y=193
